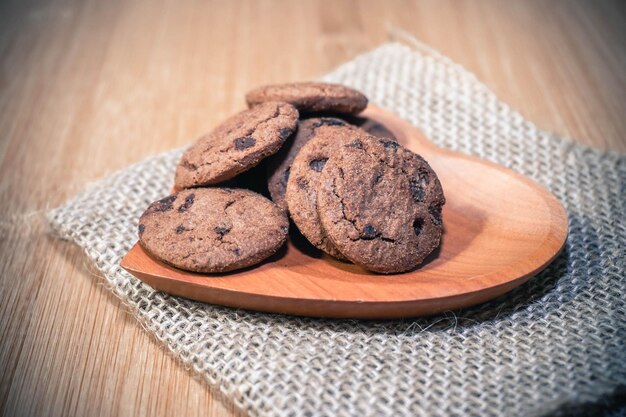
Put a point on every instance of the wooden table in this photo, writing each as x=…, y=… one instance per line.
x=88, y=88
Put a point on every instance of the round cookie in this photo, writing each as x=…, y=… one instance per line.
x=310, y=97
x=380, y=205
x=279, y=165
x=237, y=145
x=212, y=229
x=306, y=170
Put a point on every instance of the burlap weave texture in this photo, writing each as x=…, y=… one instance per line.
x=556, y=341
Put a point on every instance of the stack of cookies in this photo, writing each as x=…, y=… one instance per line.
x=348, y=186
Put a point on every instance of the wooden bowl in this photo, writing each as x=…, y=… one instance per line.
x=500, y=229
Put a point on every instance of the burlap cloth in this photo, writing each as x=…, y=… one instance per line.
x=551, y=346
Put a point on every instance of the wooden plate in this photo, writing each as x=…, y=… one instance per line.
x=500, y=228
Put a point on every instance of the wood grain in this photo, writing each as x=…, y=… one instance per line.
x=522, y=223
x=88, y=87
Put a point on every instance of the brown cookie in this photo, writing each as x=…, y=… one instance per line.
x=305, y=173
x=212, y=229
x=237, y=145
x=310, y=97
x=380, y=205
x=279, y=165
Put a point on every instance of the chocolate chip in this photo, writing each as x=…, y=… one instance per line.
x=237, y=251
x=356, y=144
x=389, y=144
x=244, y=143
x=341, y=173
x=285, y=132
x=164, y=204
x=142, y=228
x=302, y=183
x=435, y=214
x=180, y=229
x=329, y=122
x=188, y=203
x=221, y=230
x=377, y=179
x=369, y=232
x=417, y=226
x=417, y=186
x=417, y=191
x=318, y=164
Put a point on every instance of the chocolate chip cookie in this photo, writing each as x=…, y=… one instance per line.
x=306, y=169
x=380, y=204
x=237, y=145
x=212, y=229
x=310, y=97
x=279, y=165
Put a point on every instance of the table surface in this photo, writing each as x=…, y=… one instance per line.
x=88, y=88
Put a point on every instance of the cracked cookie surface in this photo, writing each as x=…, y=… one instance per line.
x=380, y=205
x=306, y=169
x=212, y=229
x=310, y=97
x=237, y=145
